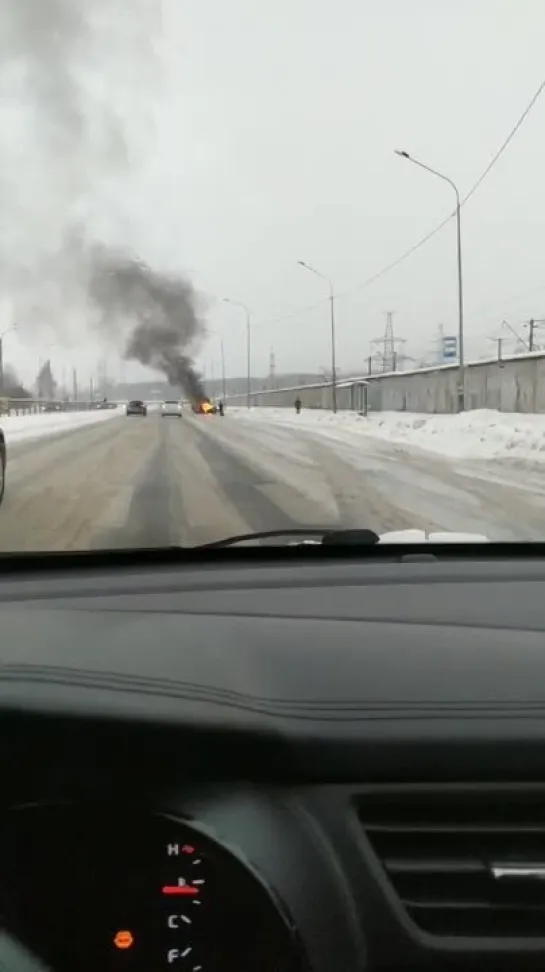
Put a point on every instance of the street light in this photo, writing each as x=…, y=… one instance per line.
x=332, y=320
x=237, y=303
x=222, y=353
x=461, y=371
x=223, y=385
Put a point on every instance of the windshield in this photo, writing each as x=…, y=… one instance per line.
x=312, y=229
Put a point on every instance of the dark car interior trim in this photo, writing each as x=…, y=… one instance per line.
x=374, y=759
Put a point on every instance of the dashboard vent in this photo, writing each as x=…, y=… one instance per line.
x=463, y=862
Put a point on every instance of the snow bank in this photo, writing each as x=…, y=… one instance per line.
x=482, y=434
x=20, y=428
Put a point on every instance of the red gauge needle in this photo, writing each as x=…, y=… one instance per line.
x=180, y=889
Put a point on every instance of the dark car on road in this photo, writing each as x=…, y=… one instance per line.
x=137, y=408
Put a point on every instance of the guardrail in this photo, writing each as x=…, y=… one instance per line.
x=43, y=406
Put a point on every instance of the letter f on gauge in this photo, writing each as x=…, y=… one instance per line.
x=172, y=955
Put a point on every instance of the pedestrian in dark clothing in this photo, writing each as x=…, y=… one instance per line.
x=297, y=404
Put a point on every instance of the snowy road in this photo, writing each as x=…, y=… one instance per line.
x=362, y=480
x=125, y=482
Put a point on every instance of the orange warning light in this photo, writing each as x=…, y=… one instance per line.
x=123, y=939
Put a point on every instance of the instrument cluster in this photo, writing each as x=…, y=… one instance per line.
x=92, y=888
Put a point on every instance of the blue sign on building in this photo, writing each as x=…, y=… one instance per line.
x=450, y=348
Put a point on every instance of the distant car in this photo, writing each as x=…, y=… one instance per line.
x=171, y=408
x=137, y=408
x=3, y=460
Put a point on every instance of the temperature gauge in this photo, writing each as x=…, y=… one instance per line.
x=183, y=893
x=185, y=876
x=110, y=889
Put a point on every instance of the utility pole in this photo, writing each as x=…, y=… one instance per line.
x=74, y=384
x=248, y=360
x=440, y=344
x=333, y=351
x=329, y=282
x=498, y=341
x=272, y=369
x=238, y=303
x=223, y=386
x=533, y=325
x=460, y=391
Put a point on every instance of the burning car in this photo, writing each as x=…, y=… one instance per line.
x=204, y=407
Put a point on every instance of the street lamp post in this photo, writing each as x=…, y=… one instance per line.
x=223, y=378
x=332, y=324
x=223, y=385
x=461, y=364
x=237, y=303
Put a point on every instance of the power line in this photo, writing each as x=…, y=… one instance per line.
x=463, y=201
x=502, y=147
x=404, y=256
x=299, y=312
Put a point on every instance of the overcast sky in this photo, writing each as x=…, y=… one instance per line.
x=251, y=135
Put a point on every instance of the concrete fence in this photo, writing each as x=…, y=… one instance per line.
x=511, y=384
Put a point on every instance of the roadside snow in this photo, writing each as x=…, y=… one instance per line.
x=482, y=434
x=21, y=428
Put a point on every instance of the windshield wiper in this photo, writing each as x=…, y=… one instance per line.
x=358, y=538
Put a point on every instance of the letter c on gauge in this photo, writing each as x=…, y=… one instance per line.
x=172, y=921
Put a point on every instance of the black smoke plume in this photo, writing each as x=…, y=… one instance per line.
x=157, y=312
x=83, y=84
x=13, y=386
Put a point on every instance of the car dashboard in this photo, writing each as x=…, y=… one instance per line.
x=292, y=768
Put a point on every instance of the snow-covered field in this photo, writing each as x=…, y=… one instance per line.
x=482, y=434
x=21, y=428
